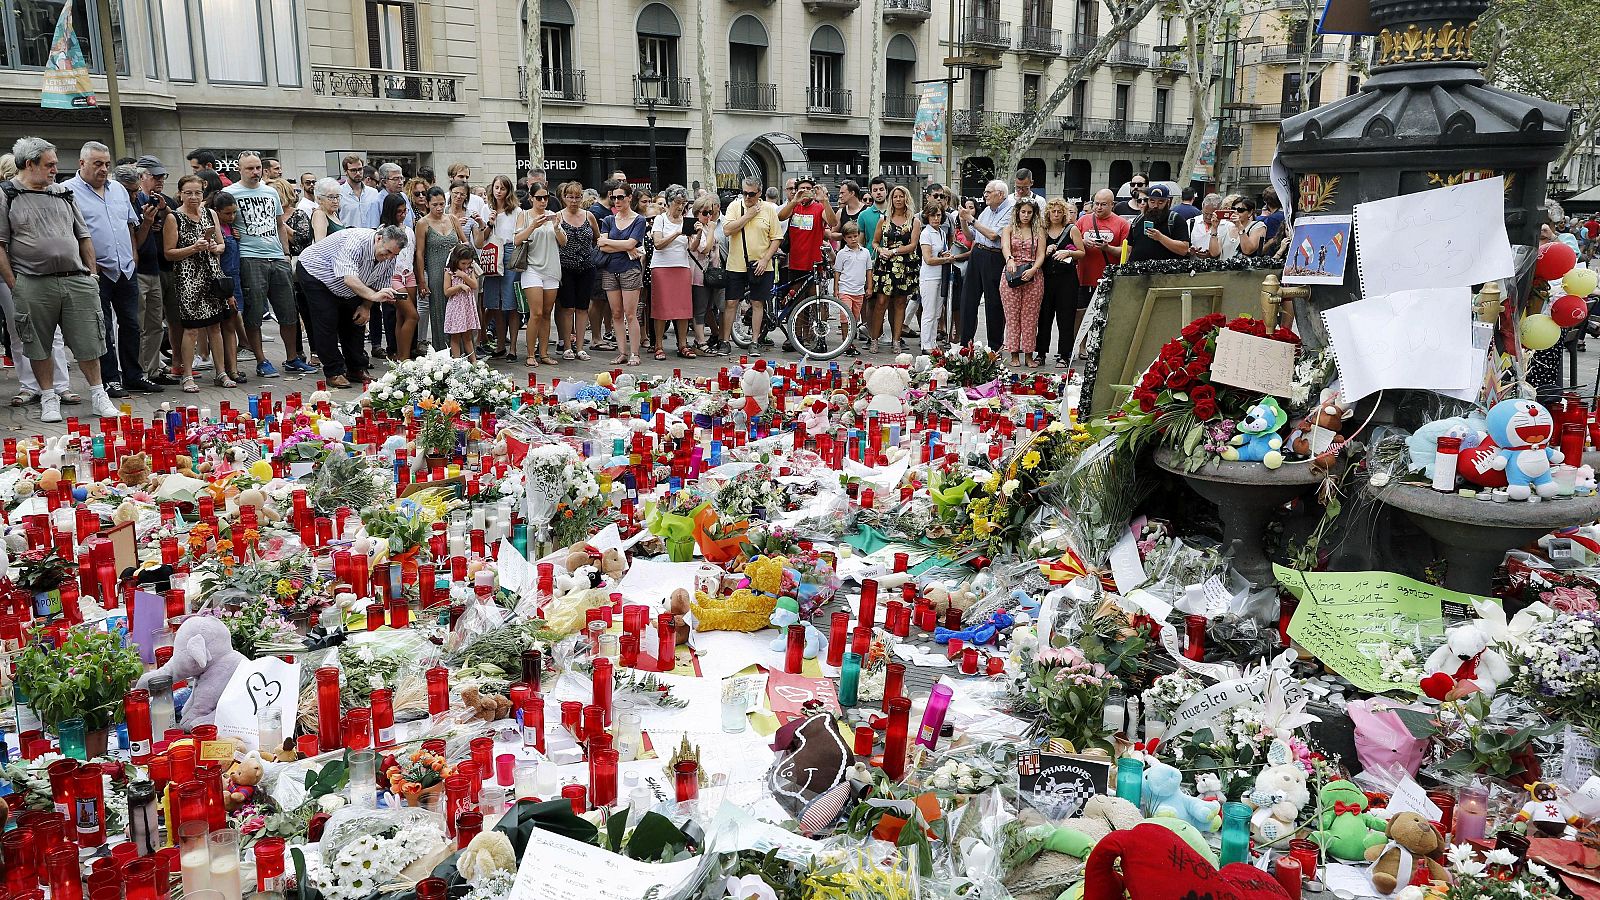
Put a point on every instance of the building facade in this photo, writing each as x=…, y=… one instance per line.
x=431, y=82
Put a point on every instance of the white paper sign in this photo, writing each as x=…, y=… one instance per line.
x=1257, y=364
x=258, y=685
x=559, y=868
x=1412, y=339
x=1126, y=567
x=1448, y=237
x=1408, y=796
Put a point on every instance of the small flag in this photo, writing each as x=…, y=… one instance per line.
x=1305, y=249
x=1338, y=242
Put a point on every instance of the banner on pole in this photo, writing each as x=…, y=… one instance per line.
x=66, y=72
x=927, y=135
x=1206, y=164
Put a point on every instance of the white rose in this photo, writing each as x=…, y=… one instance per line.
x=330, y=802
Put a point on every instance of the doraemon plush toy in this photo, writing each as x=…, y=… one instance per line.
x=1523, y=429
x=1258, y=439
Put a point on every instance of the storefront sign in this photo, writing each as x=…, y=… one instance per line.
x=228, y=159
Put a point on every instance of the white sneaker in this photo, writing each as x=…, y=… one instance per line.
x=50, y=406
x=245, y=353
x=201, y=364
x=101, y=403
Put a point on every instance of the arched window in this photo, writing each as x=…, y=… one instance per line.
x=748, y=87
x=827, y=93
x=900, y=76
x=659, y=31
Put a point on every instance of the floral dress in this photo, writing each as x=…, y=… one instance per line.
x=1021, y=303
x=896, y=275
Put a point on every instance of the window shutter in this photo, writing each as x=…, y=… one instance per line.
x=374, y=36
x=408, y=24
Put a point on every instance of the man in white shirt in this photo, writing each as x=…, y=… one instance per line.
x=476, y=205
x=308, y=193
x=1024, y=192
x=357, y=201
x=987, y=264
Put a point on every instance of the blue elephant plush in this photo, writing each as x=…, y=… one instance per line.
x=1164, y=796
x=1258, y=439
x=1523, y=430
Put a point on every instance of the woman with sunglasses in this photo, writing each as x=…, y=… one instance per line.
x=622, y=238
x=579, y=229
x=1252, y=231
x=896, y=271
x=541, y=280
x=501, y=304
x=707, y=250
x=1224, y=243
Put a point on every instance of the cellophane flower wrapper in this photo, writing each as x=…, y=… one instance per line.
x=968, y=770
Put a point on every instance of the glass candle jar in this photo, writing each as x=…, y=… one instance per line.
x=438, y=691
x=136, y=712
x=686, y=780
x=894, y=738
x=329, y=736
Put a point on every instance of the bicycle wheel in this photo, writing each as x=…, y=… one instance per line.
x=820, y=327
x=741, y=326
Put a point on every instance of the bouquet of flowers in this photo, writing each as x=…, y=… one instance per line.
x=371, y=862
x=406, y=523
x=1557, y=665
x=86, y=677
x=1064, y=695
x=441, y=387
x=1001, y=505
x=563, y=493
x=969, y=365
x=1495, y=877
x=257, y=629
x=1176, y=400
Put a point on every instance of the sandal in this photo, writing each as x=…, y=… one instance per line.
x=633, y=360
x=224, y=381
x=533, y=362
x=662, y=354
x=71, y=397
x=548, y=360
x=24, y=397
x=583, y=355
x=688, y=353
x=621, y=360
x=189, y=387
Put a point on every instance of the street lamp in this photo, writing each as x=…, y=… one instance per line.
x=650, y=93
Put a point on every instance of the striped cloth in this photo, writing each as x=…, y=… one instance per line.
x=348, y=251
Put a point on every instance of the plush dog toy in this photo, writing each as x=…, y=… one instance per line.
x=1164, y=796
x=786, y=613
x=1258, y=439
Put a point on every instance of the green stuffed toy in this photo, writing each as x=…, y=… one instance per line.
x=1347, y=828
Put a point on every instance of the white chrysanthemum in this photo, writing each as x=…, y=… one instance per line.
x=1500, y=856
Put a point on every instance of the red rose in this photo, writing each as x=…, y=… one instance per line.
x=1192, y=331
x=1147, y=404
x=1204, y=357
x=1159, y=369
x=1205, y=409
x=1178, y=380
x=1203, y=392
x=1286, y=335
x=1197, y=369
x=315, y=826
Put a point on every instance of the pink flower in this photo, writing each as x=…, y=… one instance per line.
x=1570, y=599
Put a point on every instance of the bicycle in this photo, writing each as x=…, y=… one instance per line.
x=818, y=324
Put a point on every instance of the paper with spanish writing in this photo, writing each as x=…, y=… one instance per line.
x=555, y=867
x=1254, y=363
x=1345, y=617
x=1412, y=339
x=1448, y=237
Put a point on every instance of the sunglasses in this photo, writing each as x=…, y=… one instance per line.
x=1241, y=209
x=544, y=197
x=1138, y=184
x=617, y=197
x=752, y=193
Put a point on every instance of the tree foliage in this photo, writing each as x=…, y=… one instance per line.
x=1545, y=48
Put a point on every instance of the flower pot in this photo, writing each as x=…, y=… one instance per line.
x=680, y=549
x=46, y=603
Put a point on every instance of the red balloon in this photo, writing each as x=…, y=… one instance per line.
x=1555, y=260
x=1569, y=311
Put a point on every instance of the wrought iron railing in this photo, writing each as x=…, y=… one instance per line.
x=828, y=101
x=385, y=84
x=761, y=96
x=983, y=32
x=674, y=92
x=1038, y=39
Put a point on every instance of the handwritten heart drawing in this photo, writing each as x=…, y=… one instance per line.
x=263, y=693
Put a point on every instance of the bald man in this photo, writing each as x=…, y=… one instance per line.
x=987, y=264
x=1104, y=233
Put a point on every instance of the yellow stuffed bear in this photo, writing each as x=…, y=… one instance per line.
x=746, y=609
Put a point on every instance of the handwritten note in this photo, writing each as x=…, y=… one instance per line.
x=1412, y=339
x=1253, y=363
x=1344, y=617
x=556, y=868
x=1448, y=237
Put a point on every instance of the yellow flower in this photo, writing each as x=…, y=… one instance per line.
x=993, y=482
x=1030, y=459
x=285, y=588
x=982, y=525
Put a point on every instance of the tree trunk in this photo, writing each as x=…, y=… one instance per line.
x=1582, y=132
x=708, y=142
x=1034, y=120
x=873, y=83
x=532, y=61
x=1202, y=77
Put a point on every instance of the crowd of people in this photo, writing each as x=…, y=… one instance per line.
x=148, y=290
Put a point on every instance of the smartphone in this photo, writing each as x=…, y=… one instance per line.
x=690, y=228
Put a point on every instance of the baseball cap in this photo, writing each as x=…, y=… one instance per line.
x=151, y=165
x=1159, y=192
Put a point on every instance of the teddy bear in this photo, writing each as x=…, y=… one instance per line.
x=1316, y=436
x=1258, y=439
x=1467, y=654
x=814, y=415
x=134, y=470
x=1347, y=829
x=488, y=707
x=1545, y=813
x=1411, y=839
x=1164, y=796
x=1208, y=786
x=489, y=852
x=943, y=597
x=1278, y=796
x=580, y=579
x=786, y=612
x=756, y=384
x=1585, y=483
x=257, y=498
x=203, y=655
x=579, y=555
x=1523, y=430
x=886, y=389
x=126, y=511
x=678, y=604
x=743, y=610
x=242, y=779
x=612, y=564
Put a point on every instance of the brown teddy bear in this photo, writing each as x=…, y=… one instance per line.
x=242, y=780
x=1411, y=838
x=488, y=707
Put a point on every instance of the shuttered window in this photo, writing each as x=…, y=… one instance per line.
x=392, y=35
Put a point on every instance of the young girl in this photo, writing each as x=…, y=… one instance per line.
x=461, y=300
x=227, y=212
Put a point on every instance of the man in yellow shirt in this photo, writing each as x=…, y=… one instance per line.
x=751, y=225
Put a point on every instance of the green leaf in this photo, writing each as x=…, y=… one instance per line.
x=1460, y=761
x=655, y=838
x=1420, y=724
x=615, y=826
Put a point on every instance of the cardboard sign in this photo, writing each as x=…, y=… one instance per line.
x=788, y=694
x=1059, y=785
x=1253, y=363
x=256, y=686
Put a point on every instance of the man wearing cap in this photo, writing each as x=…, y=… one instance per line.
x=158, y=290
x=1158, y=232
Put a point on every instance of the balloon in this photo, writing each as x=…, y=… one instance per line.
x=1540, y=332
x=1580, y=282
x=1555, y=260
x=1569, y=311
x=261, y=470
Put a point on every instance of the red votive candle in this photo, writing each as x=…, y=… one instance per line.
x=686, y=780
x=795, y=649
x=867, y=611
x=328, y=735
x=838, y=625
x=438, y=690
x=894, y=738
x=602, y=684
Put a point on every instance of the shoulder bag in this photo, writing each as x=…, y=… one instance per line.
x=221, y=285
x=712, y=276
x=521, y=253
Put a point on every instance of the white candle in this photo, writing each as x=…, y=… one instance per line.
x=225, y=877
x=196, y=869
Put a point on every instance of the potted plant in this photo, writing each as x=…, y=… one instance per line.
x=86, y=677
x=42, y=572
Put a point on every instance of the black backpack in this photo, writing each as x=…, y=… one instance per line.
x=12, y=192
